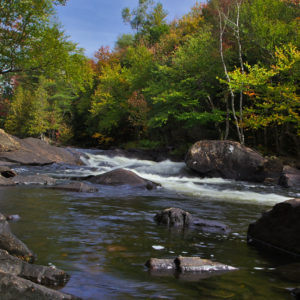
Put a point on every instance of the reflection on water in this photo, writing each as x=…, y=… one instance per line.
x=104, y=239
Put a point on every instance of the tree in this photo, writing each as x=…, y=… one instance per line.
x=27, y=35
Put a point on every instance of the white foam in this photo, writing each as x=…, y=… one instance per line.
x=169, y=175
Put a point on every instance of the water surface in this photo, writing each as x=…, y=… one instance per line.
x=103, y=239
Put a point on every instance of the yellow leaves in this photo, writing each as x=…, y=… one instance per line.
x=102, y=139
x=286, y=57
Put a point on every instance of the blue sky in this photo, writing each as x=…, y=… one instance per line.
x=96, y=23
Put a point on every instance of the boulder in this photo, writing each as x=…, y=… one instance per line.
x=273, y=169
x=174, y=217
x=48, y=276
x=10, y=243
x=278, y=229
x=34, y=179
x=226, y=159
x=14, y=287
x=121, y=177
x=31, y=151
x=290, y=177
x=76, y=187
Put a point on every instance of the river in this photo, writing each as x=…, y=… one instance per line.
x=103, y=239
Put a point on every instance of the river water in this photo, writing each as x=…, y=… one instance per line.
x=103, y=239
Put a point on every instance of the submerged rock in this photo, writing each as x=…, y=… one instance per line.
x=226, y=159
x=290, y=272
x=40, y=274
x=290, y=177
x=14, y=287
x=122, y=177
x=34, y=179
x=211, y=226
x=174, y=217
x=278, y=229
x=10, y=243
x=76, y=187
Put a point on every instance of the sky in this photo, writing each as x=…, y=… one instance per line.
x=95, y=23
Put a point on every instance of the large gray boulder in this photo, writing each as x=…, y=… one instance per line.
x=226, y=159
x=278, y=229
x=32, y=151
x=122, y=177
x=13, y=287
x=290, y=177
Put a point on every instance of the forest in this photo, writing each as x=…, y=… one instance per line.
x=229, y=69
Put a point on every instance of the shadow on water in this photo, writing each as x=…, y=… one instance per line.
x=104, y=239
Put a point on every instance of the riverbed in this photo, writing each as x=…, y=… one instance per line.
x=103, y=239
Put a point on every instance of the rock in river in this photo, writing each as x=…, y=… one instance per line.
x=187, y=268
x=177, y=217
x=226, y=159
x=48, y=276
x=10, y=243
x=278, y=229
x=290, y=177
x=76, y=187
x=122, y=176
x=174, y=217
x=14, y=287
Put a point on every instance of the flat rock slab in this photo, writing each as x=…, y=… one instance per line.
x=13, y=287
x=6, y=181
x=278, y=229
x=197, y=264
x=31, y=151
x=14, y=246
x=187, y=268
x=122, y=177
x=76, y=187
x=226, y=159
x=48, y=276
x=33, y=179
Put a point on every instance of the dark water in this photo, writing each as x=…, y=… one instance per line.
x=104, y=239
